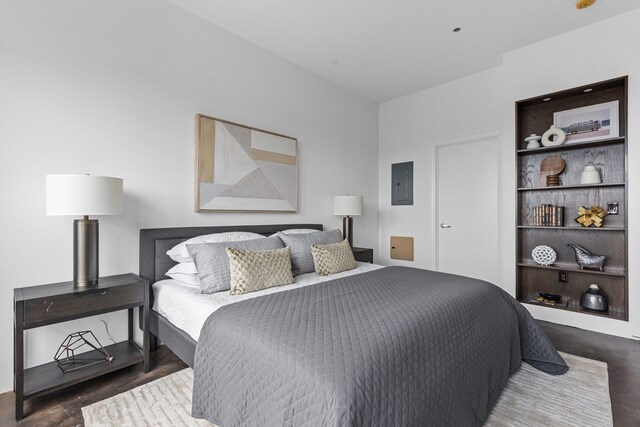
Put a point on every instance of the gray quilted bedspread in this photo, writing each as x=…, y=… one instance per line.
x=392, y=347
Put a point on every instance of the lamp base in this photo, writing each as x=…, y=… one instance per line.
x=85, y=252
x=347, y=229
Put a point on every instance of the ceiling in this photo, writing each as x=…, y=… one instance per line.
x=383, y=49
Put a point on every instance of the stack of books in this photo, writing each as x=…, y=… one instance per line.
x=548, y=216
x=550, y=299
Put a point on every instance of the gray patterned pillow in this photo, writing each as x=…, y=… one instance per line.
x=301, y=259
x=212, y=261
x=332, y=259
x=256, y=270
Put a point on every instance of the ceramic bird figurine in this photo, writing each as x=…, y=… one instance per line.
x=586, y=259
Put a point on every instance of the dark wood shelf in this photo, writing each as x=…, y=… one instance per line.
x=532, y=301
x=48, y=377
x=572, y=146
x=577, y=308
x=545, y=227
x=571, y=269
x=573, y=187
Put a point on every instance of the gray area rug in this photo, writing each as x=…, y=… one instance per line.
x=532, y=398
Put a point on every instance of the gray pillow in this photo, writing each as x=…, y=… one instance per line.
x=301, y=259
x=212, y=261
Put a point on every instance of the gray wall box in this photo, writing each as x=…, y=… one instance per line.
x=402, y=183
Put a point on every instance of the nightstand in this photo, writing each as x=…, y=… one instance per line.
x=37, y=306
x=363, y=254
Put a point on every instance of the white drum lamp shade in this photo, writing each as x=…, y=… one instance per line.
x=346, y=207
x=84, y=195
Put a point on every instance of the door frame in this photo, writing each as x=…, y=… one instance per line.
x=435, y=196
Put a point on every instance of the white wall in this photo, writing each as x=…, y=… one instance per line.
x=112, y=88
x=410, y=127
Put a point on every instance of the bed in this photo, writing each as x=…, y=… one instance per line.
x=388, y=346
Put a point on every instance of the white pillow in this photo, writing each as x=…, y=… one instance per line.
x=296, y=231
x=186, y=273
x=179, y=252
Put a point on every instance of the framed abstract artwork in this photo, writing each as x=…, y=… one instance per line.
x=243, y=169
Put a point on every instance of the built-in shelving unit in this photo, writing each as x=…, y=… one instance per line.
x=535, y=115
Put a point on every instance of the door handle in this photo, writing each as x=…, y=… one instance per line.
x=443, y=225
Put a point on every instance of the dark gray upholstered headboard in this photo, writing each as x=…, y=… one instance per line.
x=155, y=242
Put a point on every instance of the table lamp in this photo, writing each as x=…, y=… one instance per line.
x=84, y=195
x=347, y=206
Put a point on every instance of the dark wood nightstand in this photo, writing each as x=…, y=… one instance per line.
x=363, y=254
x=37, y=306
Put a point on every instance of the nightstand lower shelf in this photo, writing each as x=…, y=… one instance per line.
x=46, y=378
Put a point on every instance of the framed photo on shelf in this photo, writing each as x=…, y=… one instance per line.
x=590, y=123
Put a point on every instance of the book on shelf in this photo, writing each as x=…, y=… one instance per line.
x=547, y=215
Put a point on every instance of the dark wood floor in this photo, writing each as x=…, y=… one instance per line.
x=622, y=357
x=64, y=409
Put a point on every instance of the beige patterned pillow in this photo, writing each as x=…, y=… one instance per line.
x=334, y=258
x=255, y=270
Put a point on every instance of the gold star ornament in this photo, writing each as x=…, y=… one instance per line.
x=593, y=216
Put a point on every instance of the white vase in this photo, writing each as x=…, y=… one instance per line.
x=553, y=131
x=533, y=141
x=590, y=175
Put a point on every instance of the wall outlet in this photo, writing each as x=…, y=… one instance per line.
x=563, y=276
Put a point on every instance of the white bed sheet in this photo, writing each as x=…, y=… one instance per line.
x=186, y=308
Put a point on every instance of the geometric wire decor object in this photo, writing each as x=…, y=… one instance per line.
x=66, y=357
x=239, y=168
x=544, y=255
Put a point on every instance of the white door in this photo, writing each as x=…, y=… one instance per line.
x=467, y=208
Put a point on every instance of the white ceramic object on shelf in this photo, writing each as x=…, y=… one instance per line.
x=559, y=134
x=590, y=175
x=533, y=141
x=544, y=255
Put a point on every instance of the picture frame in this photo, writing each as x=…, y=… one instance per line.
x=591, y=123
x=240, y=168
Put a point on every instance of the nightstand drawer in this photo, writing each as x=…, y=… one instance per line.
x=74, y=305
